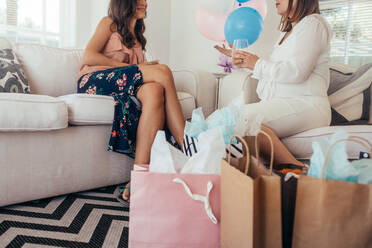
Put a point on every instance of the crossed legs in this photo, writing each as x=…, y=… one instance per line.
x=162, y=75
x=159, y=98
x=159, y=105
x=151, y=96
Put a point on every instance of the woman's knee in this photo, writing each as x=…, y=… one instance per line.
x=158, y=73
x=151, y=95
x=164, y=75
x=164, y=69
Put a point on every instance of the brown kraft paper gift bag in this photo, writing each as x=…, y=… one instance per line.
x=333, y=213
x=250, y=202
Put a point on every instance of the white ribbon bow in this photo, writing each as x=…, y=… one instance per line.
x=204, y=199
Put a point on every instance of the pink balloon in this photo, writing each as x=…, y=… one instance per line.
x=211, y=25
x=259, y=5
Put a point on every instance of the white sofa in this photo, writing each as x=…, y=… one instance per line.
x=300, y=144
x=41, y=154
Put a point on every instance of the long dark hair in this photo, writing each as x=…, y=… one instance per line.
x=303, y=8
x=121, y=12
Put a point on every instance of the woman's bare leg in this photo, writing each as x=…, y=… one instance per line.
x=174, y=117
x=151, y=121
x=281, y=153
x=151, y=95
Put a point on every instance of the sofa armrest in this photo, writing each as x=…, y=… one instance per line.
x=200, y=84
x=370, y=109
x=233, y=84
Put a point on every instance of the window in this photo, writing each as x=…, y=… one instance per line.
x=45, y=22
x=351, y=23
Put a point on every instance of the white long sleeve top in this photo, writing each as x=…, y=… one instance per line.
x=300, y=65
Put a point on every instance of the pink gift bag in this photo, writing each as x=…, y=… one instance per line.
x=174, y=210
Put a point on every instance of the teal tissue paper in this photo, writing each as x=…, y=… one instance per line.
x=337, y=166
x=224, y=119
x=364, y=168
x=197, y=124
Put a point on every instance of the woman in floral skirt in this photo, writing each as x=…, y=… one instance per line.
x=144, y=92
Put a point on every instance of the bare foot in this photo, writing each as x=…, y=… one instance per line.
x=126, y=193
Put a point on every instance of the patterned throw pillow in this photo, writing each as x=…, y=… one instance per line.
x=350, y=96
x=12, y=78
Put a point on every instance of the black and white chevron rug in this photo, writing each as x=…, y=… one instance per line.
x=87, y=219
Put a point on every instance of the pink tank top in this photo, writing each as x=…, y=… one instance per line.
x=116, y=50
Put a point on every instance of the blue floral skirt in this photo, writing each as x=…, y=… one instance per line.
x=122, y=84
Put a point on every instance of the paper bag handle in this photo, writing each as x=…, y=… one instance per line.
x=245, y=148
x=203, y=199
x=271, y=146
x=356, y=139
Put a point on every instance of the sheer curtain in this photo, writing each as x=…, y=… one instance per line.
x=351, y=22
x=48, y=22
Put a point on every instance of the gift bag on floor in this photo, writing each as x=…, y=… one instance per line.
x=333, y=213
x=250, y=202
x=169, y=209
x=174, y=210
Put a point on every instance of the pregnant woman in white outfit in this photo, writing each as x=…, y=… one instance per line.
x=293, y=83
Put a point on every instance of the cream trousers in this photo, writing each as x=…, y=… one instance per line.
x=288, y=116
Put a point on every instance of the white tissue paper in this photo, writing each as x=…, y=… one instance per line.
x=208, y=159
x=167, y=159
x=248, y=125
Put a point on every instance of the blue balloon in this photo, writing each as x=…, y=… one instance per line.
x=243, y=23
x=243, y=1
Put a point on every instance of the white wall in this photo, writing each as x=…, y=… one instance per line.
x=188, y=48
x=171, y=32
x=158, y=29
x=270, y=33
x=90, y=12
x=88, y=15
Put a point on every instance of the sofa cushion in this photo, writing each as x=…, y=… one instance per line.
x=50, y=71
x=370, y=109
x=343, y=68
x=12, y=78
x=349, y=95
x=25, y=112
x=85, y=109
x=301, y=144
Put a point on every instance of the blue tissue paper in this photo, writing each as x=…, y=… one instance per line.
x=197, y=124
x=337, y=167
x=224, y=119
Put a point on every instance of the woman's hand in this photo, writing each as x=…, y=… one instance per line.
x=147, y=63
x=224, y=50
x=154, y=62
x=243, y=59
